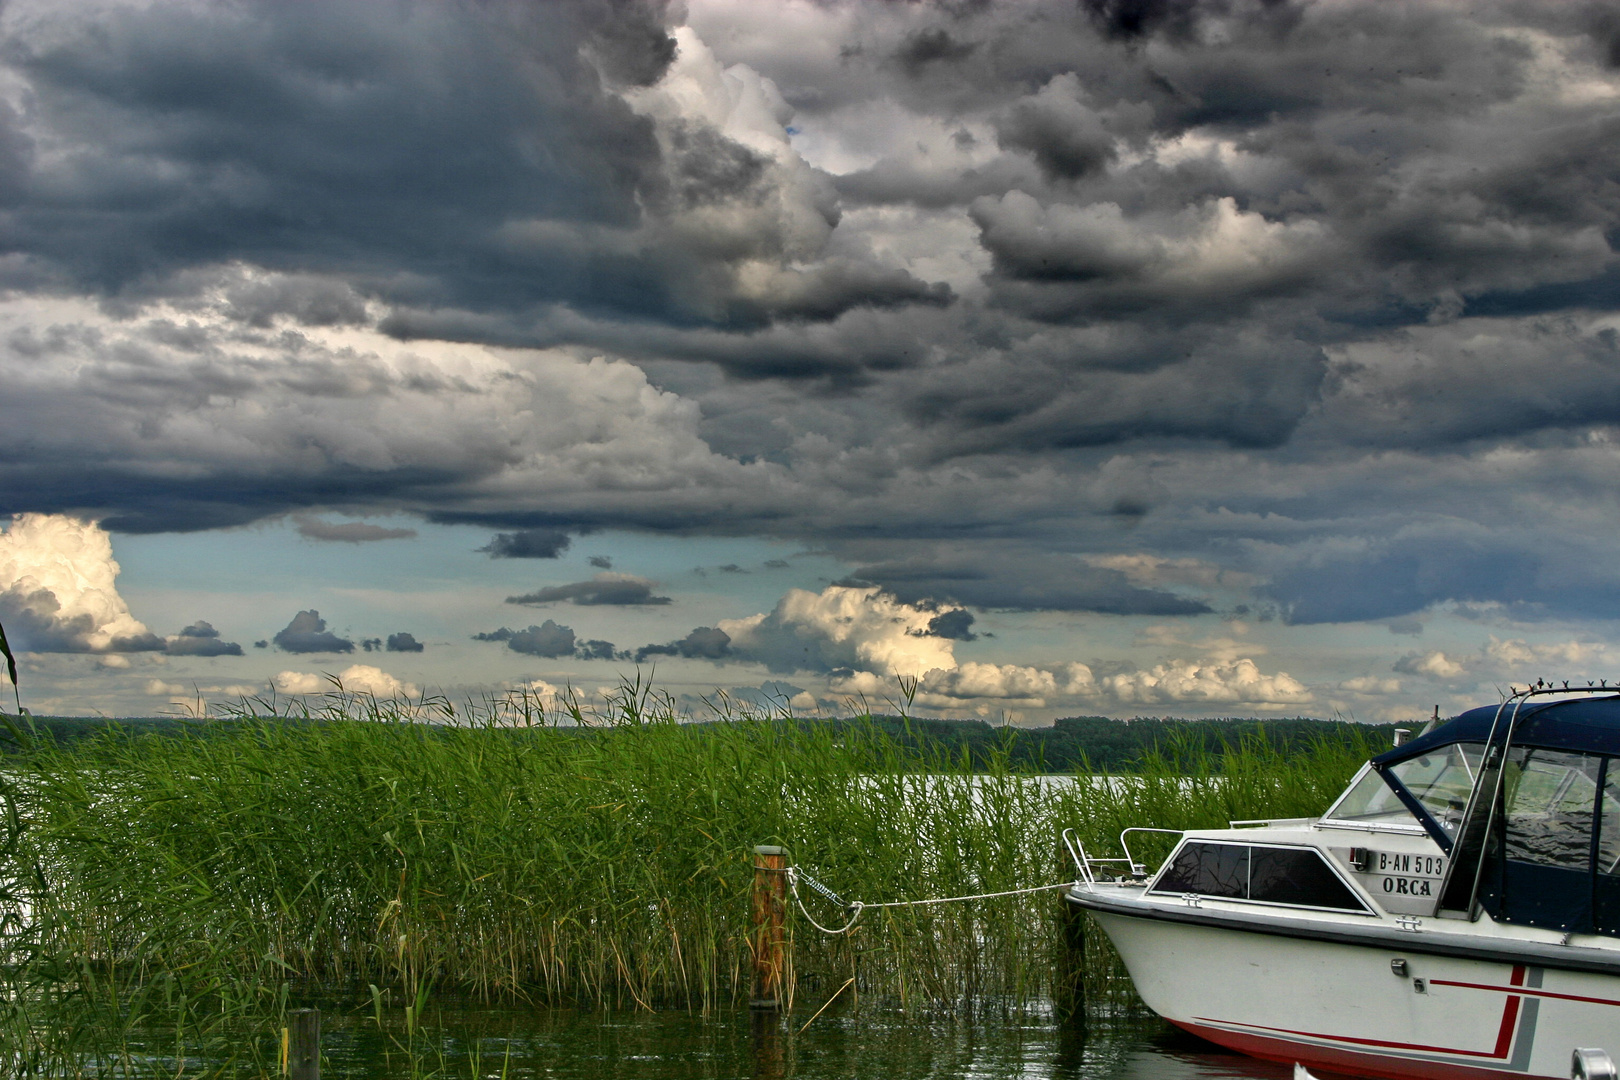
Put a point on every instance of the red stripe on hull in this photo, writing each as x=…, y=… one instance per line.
x=1504, y=1034
x=1331, y=1059
x=1526, y=992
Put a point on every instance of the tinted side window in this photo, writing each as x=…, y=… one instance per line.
x=1297, y=876
x=1208, y=870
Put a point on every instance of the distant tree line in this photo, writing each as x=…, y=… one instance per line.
x=1072, y=744
x=1099, y=743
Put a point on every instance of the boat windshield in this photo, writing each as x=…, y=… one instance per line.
x=1440, y=780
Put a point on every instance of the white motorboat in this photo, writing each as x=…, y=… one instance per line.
x=1454, y=914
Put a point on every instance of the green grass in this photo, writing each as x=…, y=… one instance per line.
x=209, y=880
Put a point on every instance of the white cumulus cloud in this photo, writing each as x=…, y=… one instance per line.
x=1235, y=681
x=359, y=678
x=842, y=627
x=866, y=641
x=59, y=588
x=1435, y=664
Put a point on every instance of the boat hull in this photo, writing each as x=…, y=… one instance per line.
x=1340, y=1007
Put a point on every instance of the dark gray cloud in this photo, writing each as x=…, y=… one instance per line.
x=552, y=640
x=1227, y=280
x=347, y=532
x=305, y=299
x=1527, y=576
x=164, y=103
x=930, y=46
x=528, y=544
x=703, y=643
x=605, y=588
x=596, y=649
x=601, y=562
x=1066, y=138
x=1234, y=387
x=1015, y=577
x=548, y=639
x=956, y=624
x=1487, y=379
x=307, y=633
x=404, y=642
x=1130, y=20
x=200, y=639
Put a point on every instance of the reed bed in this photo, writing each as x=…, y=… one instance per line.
x=388, y=852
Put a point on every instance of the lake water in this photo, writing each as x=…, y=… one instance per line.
x=863, y=1043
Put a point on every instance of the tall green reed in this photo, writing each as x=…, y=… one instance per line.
x=525, y=849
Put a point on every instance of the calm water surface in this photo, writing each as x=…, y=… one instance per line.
x=568, y=1045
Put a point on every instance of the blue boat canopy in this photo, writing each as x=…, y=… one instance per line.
x=1524, y=798
x=1588, y=725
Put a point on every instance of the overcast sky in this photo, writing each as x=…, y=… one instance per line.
x=1133, y=357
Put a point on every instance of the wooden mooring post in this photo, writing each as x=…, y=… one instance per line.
x=770, y=928
x=304, y=1044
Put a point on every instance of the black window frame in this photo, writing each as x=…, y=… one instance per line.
x=1350, y=888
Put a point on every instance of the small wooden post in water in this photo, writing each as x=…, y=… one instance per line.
x=770, y=922
x=304, y=1044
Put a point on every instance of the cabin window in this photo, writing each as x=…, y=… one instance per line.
x=1550, y=796
x=1208, y=870
x=1295, y=876
x=1440, y=780
x=1370, y=800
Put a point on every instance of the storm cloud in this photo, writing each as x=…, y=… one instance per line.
x=703, y=643
x=1008, y=308
x=347, y=532
x=200, y=639
x=404, y=642
x=606, y=588
x=548, y=639
x=528, y=544
x=307, y=633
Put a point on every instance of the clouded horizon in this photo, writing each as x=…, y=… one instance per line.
x=1113, y=356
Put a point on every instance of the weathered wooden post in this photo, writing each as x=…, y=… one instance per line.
x=304, y=1044
x=770, y=925
x=1069, y=981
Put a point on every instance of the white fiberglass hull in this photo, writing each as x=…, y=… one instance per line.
x=1337, y=1005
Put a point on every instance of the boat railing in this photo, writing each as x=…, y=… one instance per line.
x=1138, y=870
x=1087, y=865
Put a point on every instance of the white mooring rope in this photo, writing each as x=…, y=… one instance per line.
x=857, y=908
